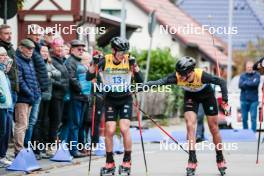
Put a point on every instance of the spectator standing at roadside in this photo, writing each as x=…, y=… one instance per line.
x=5, y=41
x=248, y=83
x=79, y=98
x=42, y=78
x=29, y=91
x=5, y=104
x=42, y=125
x=59, y=89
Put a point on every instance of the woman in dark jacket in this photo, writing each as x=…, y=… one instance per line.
x=40, y=130
x=59, y=89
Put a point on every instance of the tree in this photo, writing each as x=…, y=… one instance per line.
x=20, y=4
x=253, y=52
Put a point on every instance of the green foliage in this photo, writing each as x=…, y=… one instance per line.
x=20, y=4
x=105, y=50
x=161, y=62
x=174, y=103
x=253, y=52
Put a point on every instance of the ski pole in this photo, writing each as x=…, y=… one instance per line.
x=141, y=136
x=260, y=123
x=164, y=131
x=139, y=125
x=93, y=117
x=132, y=62
x=217, y=60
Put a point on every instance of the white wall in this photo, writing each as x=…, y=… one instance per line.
x=111, y=4
x=13, y=23
x=92, y=5
x=140, y=40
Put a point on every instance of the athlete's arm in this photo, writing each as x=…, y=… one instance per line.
x=211, y=79
x=91, y=72
x=170, y=79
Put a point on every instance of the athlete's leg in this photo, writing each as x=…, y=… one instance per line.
x=110, y=129
x=125, y=131
x=190, y=119
x=213, y=126
x=124, y=123
x=211, y=110
x=190, y=115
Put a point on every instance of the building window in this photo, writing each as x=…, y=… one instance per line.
x=114, y=12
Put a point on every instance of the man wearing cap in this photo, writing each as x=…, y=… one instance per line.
x=5, y=104
x=79, y=100
x=34, y=36
x=29, y=91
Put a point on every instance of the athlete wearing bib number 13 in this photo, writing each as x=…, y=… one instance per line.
x=115, y=72
x=196, y=84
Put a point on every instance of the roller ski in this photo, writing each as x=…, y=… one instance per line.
x=191, y=168
x=108, y=169
x=221, y=167
x=125, y=168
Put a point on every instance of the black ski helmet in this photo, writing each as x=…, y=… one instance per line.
x=119, y=44
x=185, y=65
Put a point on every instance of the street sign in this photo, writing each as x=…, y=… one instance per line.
x=152, y=23
x=11, y=8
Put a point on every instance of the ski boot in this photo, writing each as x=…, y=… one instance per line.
x=108, y=169
x=125, y=168
x=190, y=170
x=221, y=167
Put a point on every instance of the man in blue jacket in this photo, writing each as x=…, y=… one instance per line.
x=42, y=78
x=29, y=91
x=248, y=83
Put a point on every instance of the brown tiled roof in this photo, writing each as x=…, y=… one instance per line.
x=170, y=15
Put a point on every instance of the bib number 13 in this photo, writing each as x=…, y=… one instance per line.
x=117, y=80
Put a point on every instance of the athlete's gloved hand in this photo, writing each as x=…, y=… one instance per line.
x=97, y=58
x=132, y=63
x=226, y=108
x=132, y=60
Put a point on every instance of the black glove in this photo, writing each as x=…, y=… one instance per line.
x=132, y=60
x=97, y=58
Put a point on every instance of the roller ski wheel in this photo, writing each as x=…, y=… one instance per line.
x=221, y=167
x=125, y=168
x=190, y=170
x=108, y=169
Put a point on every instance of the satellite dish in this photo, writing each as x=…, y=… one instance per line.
x=11, y=8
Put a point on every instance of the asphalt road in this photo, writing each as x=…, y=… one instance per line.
x=161, y=162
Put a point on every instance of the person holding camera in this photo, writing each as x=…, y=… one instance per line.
x=116, y=71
